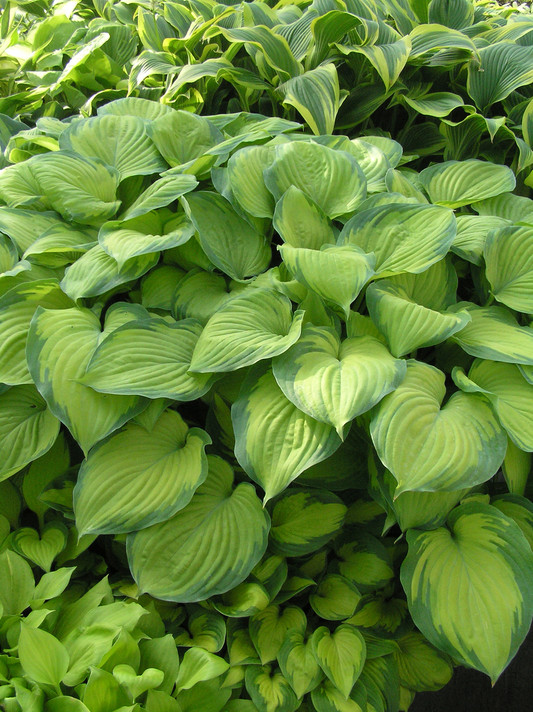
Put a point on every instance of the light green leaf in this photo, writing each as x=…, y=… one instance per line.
x=103, y=693
x=300, y=222
x=457, y=183
x=350, y=265
x=428, y=37
x=59, y=246
x=162, y=654
x=60, y=345
x=315, y=94
x=275, y=48
x=207, y=548
x=432, y=448
x=508, y=257
x=148, y=233
x=28, y=428
x=507, y=206
x=363, y=560
x=520, y=510
x=340, y=654
x=229, y=241
x=17, y=584
x=138, y=478
x=255, y=325
x=438, y=104
x=41, y=550
x=119, y=141
x=245, y=175
x=269, y=690
x=407, y=325
x=269, y=628
x=304, y=520
x=421, y=666
x=160, y=194
x=335, y=598
x=403, y=237
x=24, y=227
x=52, y=584
x=298, y=664
x=516, y=468
x=200, y=294
x=135, y=106
x=181, y=136
x=472, y=231
x=468, y=586
x=151, y=358
x=17, y=308
x=197, y=666
x=304, y=165
x=502, y=68
x=275, y=441
x=137, y=684
x=327, y=698
x=495, y=334
x=159, y=285
x=387, y=59
x=43, y=658
x=334, y=381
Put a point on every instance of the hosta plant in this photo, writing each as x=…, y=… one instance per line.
x=266, y=417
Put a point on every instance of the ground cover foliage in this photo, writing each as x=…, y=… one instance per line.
x=265, y=352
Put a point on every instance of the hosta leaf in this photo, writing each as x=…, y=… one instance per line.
x=269, y=690
x=350, y=265
x=138, y=478
x=119, y=141
x=255, y=325
x=363, y=560
x=159, y=285
x=327, y=698
x=334, y=381
x=508, y=257
x=26, y=226
x=468, y=586
x=44, y=549
x=404, y=238
x=269, y=628
x=300, y=221
x=507, y=206
x=143, y=235
x=387, y=59
x=316, y=96
x=428, y=447
x=60, y=345
x=510, y=394
x=457, y=183
x=200, y=294
x=17, y=308
x=304, y=520
x=332, y=179
x=502, y=68
x=135, y=106
x=520, y=510
x=428, y=37
x=207, y=548
x=335, y=598
x=274, y=48
x=60, y=246
x=298, y=664
x=437, y=104
x=16, y=583
x=197, y=666
x=420, y=665
x=96, y=272
x=495, y=334
x=43, y=658
x=162, y=654
x=472, y=231
x=407, y=325
x=245, y=174
x=340, y=654
x=516, y=468
x=160, y=194
x=274, y=440
x=27, y=428
x=181, y=136
x=231, y=243
x=149, y=358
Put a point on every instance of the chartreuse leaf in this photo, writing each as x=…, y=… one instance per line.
x=301, y=222
x=472, y=231
x=468, y=586
x=335, y=598
x=495, y=334
x=434, y=288
x=510, y=394
x=151, y=232
x=403, y=237
x=208, y=547
x=516, y=468
x=334, y=381
x=137, y=478
x=24, y=227
x=327, y=698
x=269, y=628
x=44, y=549
x=119, y=141
x=303, y=520
x=43, y=658
x=350, y=265
x=305, y=165
x=245, y=175
x=59, y=246
x=381, y=680
x=457, y=183
x=17, y=584
x=52, y=584
x=270, y=690
x=162, y=654
x=507, y=206
x=407, y=325
x=255, y=325
x=230, y=242
x=207, y=630
x=149, y=357
x=502, y=67
x=17, y=308
x=199, y=665
x=363, y=560
x=520, y=510
x=438, y=104
x=103, y=692
x=28, y=428
x=181, y=136
x=387, y=59
x=200, y=294
x=421, y=666
x=316, y=97
x=135, y=106
x=274, y=440
x=508, y=257
x=160, y=194
x=60, y=345
x=65, y=703
x=452, y=447
x=298, y=664
x=274, y=47
x=137, y=684
x=340, y=654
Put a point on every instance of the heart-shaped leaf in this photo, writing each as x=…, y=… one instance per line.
x=457, y=183
x=340, y=654
x=44, y=549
